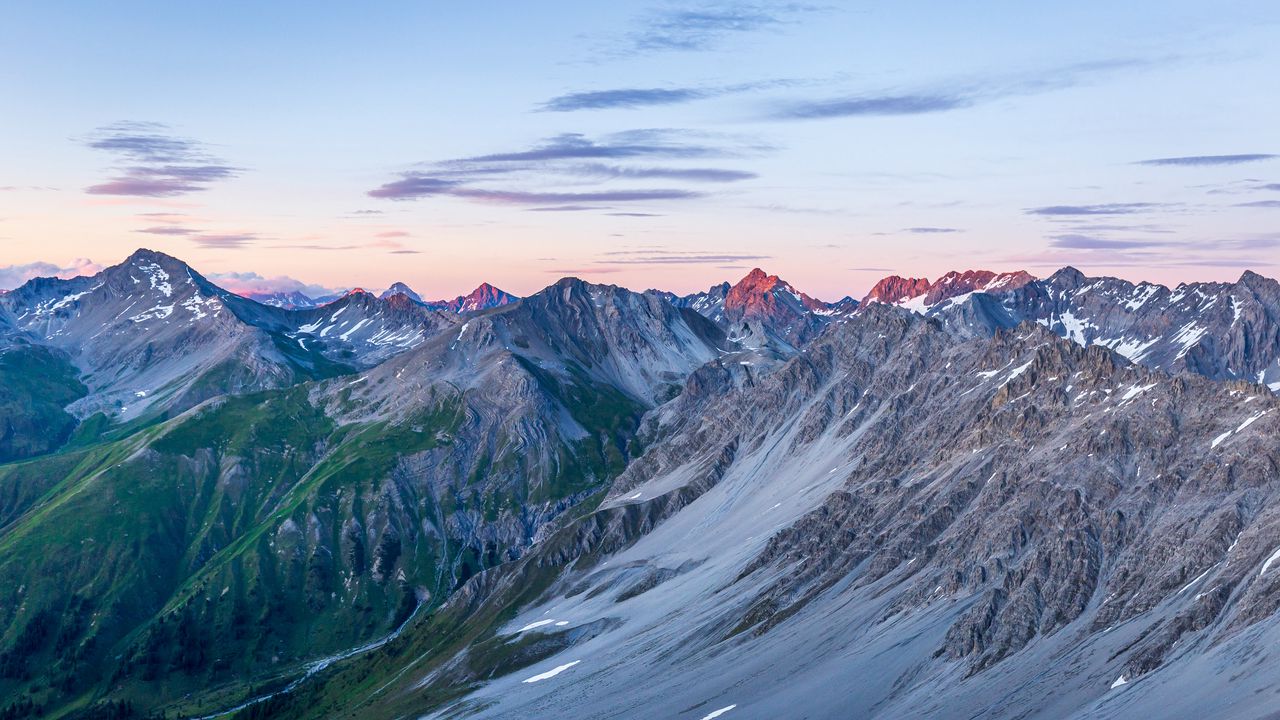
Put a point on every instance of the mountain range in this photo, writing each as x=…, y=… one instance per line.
x=482, y=298
x=989, y=495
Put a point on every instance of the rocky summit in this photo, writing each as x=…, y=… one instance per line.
x=987, y=495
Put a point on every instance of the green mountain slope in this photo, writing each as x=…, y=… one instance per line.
x=36, y=384
x=257, y=532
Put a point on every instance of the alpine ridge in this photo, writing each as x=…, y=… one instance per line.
x=483, y=297
x=986, y=495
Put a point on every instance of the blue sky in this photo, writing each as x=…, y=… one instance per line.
x=646, y=144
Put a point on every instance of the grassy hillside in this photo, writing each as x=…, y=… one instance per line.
x=201, y=560
x=36, y=384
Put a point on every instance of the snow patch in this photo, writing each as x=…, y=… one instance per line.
x=1267, y=565
x=1135, y=390
x=551, y=673
x=536, y=624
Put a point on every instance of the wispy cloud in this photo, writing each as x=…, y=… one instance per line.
x=617, y=260
x=1206, y=160
x=871, y=105
x=705, y=27
x=1122, y=227
x=413, y=187
x=12, y=276
x=621, y=98
x=174, y=230
x=227, y=241
x=634, y=98
x=1101, y=250
x=797, y=209
x=473, y=178
x=155, y=163
x=681, y=258
x=932, y=230
x=660, y=143
x=568, y=208
x=1260, y=204
x=1102, y=209
x=1077, y=241
x=695, y=174
x=949, y=95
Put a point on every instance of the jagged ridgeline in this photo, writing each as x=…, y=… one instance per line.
x=988, y=495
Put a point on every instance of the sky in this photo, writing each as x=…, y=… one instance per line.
x=324, y=145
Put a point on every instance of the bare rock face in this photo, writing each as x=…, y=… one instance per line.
x=955, y=284
x=483, y=297
x=920, y=294
x=764, y=311
x=894, y=289
x=1223, y=331
x=948, y=525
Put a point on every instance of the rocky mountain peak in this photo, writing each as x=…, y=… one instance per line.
x=568, y=284
x=1067, y=276
x=1257, y=283
x=146, y=255
x=482, y=298
x=399, y=301
x=759, y=278
x=400, y=288
x=758, y=295
x=955, y=284
x=895, y=288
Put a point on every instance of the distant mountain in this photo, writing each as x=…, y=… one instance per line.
x=1220, y=330
x=919, y=293
x=763, y=310
x=361, y=329
x=482, y=298
x=709, y=304
x=153, y=334
x=293, y=300
x=151, y=337
x=400, y=289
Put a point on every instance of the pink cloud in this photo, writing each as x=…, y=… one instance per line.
x=12, y=276
x=251, y=283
